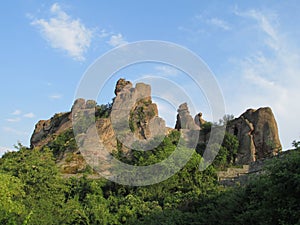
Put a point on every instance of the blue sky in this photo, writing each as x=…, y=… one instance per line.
x=252, y=47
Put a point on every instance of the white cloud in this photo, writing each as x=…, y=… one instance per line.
x=167, y=70
x=104, y=33
x=212, y=21
x=15, y=131
x=219, y=23
x=117, y=40
x=63, y=32
x=18, y=119
x=266, y=23
x=29, y=115
x=270, y=75
x=17, y=112
x=55, y=96
x=14, y=120
x=275, y=68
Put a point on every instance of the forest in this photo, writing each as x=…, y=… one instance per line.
x=33, y=191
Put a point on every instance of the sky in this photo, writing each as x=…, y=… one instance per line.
x=251, y=47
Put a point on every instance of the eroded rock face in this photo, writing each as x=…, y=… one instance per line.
x=243, y=130
x=97, y=144
x=257, y=133
x=134, y=111
x=45, y=130
x=134, y=104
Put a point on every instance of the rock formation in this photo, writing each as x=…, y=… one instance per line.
x=257, y=133
x=199, y=120
x=134, y=112
x=133, y=117
x=46, y=130
x=121, y=84
x=184, y=119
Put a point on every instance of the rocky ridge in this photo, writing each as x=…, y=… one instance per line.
x=135, y=117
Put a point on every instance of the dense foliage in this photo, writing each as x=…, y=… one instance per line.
x=34, y=192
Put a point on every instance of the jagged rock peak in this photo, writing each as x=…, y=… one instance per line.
x=81, y=103
x=183, y=109
x=136, y=103
x=199, y=120
x=122, y=83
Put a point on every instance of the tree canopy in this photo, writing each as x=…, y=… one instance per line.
x=34, y=192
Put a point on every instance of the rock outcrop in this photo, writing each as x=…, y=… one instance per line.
x=121, y=84
x=184, y=119
x=47, y=130
x=134, y=112
x=257, y=133
x=133, y=118
x=199, y=120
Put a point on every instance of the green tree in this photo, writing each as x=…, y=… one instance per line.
x=12, y=209
x=231, y=143
x=43, y=186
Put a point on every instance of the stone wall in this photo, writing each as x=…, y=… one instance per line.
x=233, y=176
